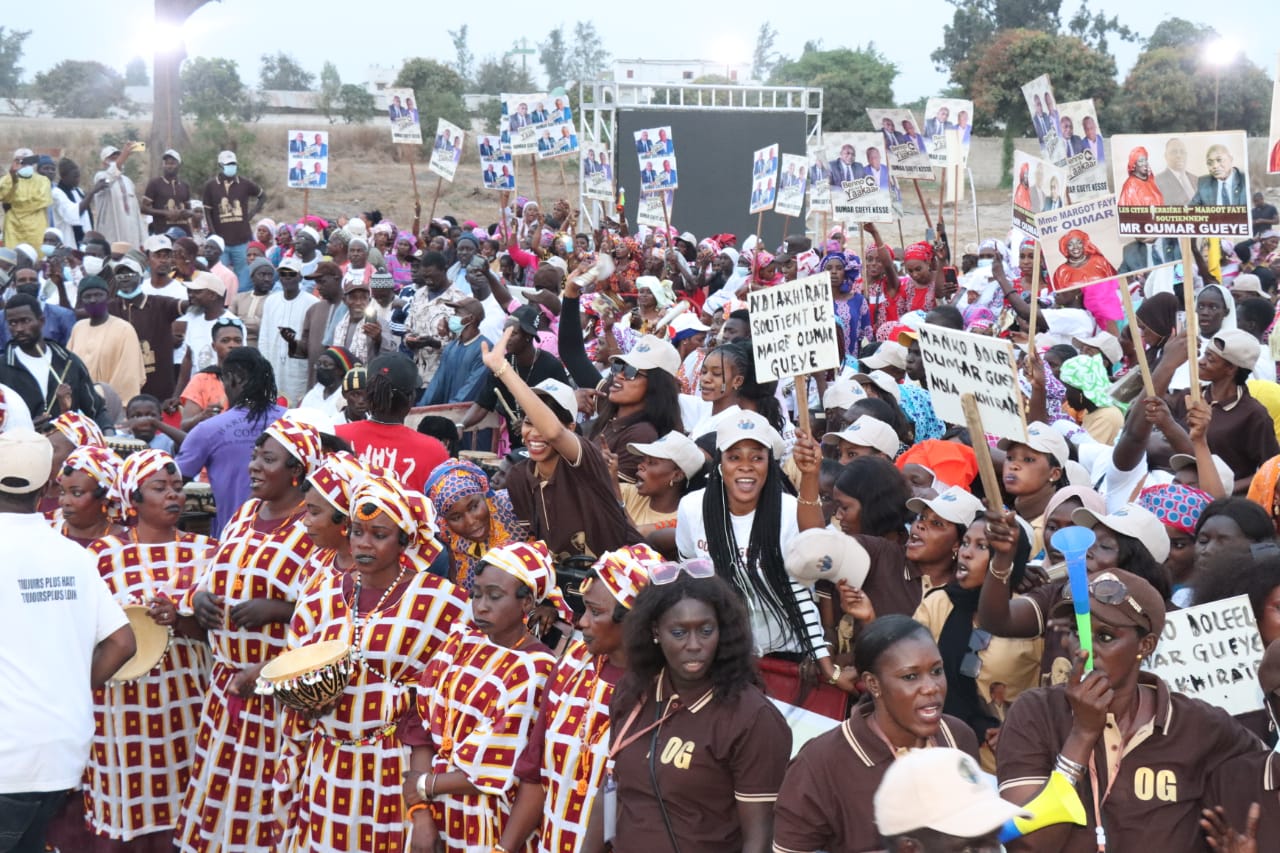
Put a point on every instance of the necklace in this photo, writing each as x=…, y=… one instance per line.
x=588, y=720
x=476, y=675
x=358, y=623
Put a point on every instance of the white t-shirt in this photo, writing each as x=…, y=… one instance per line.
x=55, y=610
x=691, y=540
x=39, y=366
x=331, y=405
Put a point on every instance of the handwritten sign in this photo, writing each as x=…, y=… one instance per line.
x=1212, y=652
x=962, y=363
x=793, y=328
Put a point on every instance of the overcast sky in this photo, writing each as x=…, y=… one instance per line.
x=349, y=34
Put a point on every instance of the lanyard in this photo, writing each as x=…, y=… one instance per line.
x=1097, y=804
x=625, y=741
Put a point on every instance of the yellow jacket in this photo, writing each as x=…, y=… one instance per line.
x=28, y=199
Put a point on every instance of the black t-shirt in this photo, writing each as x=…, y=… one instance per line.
x=164, y=194
x=1264, y=211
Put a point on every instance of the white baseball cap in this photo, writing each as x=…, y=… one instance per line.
x=955, y=505
x=226, y=158
x=1179, y=461
x=129, y=264
x=650, y=352
x=828, y=555
x=881, y=380
x=1131, y=520
x=157, y=243
x=867, y=431
x=562, y=395
x=207, y=281
x=108, y=151
x=25, y=459
x=1235, y=346
x=842, y=394
x=748, y=425
x=677, y=447
x=170, y=152
x=940, y=789
x=1247, y=283
x=687, y=322
x=888, y=354
x=1041, y=438
x=1107, y=343
x=293, y=262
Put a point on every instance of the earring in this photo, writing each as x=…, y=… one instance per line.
x=671, y=485
x=655, y=641
x=724, y=387
x=346, y=530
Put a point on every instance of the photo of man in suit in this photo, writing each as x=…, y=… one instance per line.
x=396, y=108
x=486, y=147
x=1176, y=184
x=891, y=135
x=589, y=164
x=644, y=146
x=648, y=176
x=1224, y=185
x=545, y=142
x=520, y=118
x=320, y=148
x=1040, y=120
x=939, y=124
x=1074, y=144
x=298, y=173
x=1052, y=109
x=1093, y=140
x=319, y=177
x=818, y=172
x=772, y=166
x=297, y=145
x=507, y=181
x=568, y=140
x=1149, y=252
x=757, y=168
x=603, y=159
x=540, y=113
x=668, y=177
x=410, y=111
x=490, y=176
x=790, y=178
x=561, y=113
x=876, y=169
x=664, y=148
x=845, y=167
x=909, y=135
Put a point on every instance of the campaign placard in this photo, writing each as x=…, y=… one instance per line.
x=960, y=363
x=1045, y=117
x=1038, y=185
x=1083, y=151
x=1182, y=184
x=307, y=166
x=595, y=171
x=649, y=209
x=447, y=150
x=1273, y=159
x=1212, y=652
x=942, y=115
x=905, y=148
x=1080, y=243
x=791, y=185
x=793, y=328
x=819, y=176
x=524, y=117
x=764, y=174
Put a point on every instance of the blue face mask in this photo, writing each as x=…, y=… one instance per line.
x=46, y=249
x=130, y=294
x=26, y=171
x=455, y=325
x=66, y=273
x=984, y=262
x=229, y=170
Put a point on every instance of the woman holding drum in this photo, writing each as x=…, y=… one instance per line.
x=344, y=763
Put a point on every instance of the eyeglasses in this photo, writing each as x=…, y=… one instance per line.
x=665, y=573
x=628, y=371
x=979, y=641
x=288, y=274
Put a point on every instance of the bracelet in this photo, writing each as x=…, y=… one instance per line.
x=1072, y=770
x=414, y=809
x=421, y=785
x=835, y=674
x=432, y=794
x=804, y=502
x=501, y=370
x=498, y=848
x=1002, y=576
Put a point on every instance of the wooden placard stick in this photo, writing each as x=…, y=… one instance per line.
x=1189, y=306
x=955, y=212
x=434, y=199
x=942, y=192
x=986, y=468
x=924, y=208
x=802, y=401
x=1135, y=335
x=413, y=176
x=306, y=201
x=666, y=217
x=537, y=191
x=1035, y=298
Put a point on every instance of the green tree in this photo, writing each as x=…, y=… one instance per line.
x=281, y=72
x=200, y=156
x=135, y=73
x=80, y=89
x=1171, y=89
x=355, y=104
x=11, y=49
x=498, y=74
x=975, y=24
x=465, y=58
x=330, y=90
x=1094, y=28
x=764, y=58
x=554, y=56
x=1179, y=32
x=851, y=80
x=587, y=56
x=214, y=91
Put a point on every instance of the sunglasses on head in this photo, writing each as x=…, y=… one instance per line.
x=1111, y=591
x=628, y=371
x=665, y=573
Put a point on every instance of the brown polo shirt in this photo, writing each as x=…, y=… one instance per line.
x=893, y=585
x=152, y=318
x=710, y=756
x=1159, y=775
x=227, y=204
x=167, y=195
x=826, y=798
x=1251, y=778
x=1240, y=431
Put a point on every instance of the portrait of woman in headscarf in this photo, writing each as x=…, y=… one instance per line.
x=1022, y=193
x=1140, y=187
x=1084, y=262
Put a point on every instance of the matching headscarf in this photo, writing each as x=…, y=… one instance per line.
x=531, y=564
x=852, y=267
x=921, y=251
x=103, y=465
x=624, y=572
x=300, y=440
x=1137, y=152
x=79, y=430
x=335, y=479
x=1176, y=505
x=451, y=482
x=408, y=510
x=136, y=469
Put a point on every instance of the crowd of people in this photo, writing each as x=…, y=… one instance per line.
x=527, y=478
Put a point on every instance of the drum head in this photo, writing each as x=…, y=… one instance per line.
x=152, y=639
x=305, y=659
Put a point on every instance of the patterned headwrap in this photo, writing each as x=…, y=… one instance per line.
x=531, y=564
x=921, y=251
x=79, y=430
x=408, y=510
x=342, y=357
x=449, y=483
x=624, y=572
x=1176, y=505
x=335, y=479
x=301, y=440
x=103, y=465
x=1087, y=374
x=852, y=267
x=136, y=469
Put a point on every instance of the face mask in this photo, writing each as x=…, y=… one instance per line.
x=66, y=273
x=92, y=265
x=984, y=262
x=455, y=325
x=4, y=278
x=46, y=249
x=325, y=377
x=96, y=310
x=229, y=170
x=130, y=294
x=26, y=171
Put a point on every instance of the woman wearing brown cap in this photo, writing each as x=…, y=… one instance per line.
x=1137, y=753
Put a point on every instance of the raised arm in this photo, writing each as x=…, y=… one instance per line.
x=563, y=440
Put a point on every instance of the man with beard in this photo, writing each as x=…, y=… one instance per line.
x=1176, y=184
x=167, y=198
x=49, y=379
x=1140, y=188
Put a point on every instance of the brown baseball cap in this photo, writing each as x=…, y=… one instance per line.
x=1120, y=598
x=325, y=268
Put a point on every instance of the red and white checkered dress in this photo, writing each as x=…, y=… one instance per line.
x=229, y=805
x=575, y=749
x=478, y=702
x=144, y=730
x=348, y=796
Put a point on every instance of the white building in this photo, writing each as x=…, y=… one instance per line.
x=659, y=71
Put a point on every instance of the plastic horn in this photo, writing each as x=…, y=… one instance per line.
x=1057, y=803
x=1074, y=543
x=673, y=312
x=602, y=269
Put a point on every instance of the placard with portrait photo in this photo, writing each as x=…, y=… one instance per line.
x=764, y=174
x=446, y=151
x=1182, y=184
x=1083, y=151
x=1045, y=116
x=792, y=179
x=1038, y=186
x=523, y=118
x=905, y=148
x=307, y=166
x=595, y=171
x=402, y=111
x=819, y=177
x=948, y=114
x=866, y=190
x=1080, y=243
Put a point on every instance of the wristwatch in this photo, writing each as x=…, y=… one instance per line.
x=835, y=674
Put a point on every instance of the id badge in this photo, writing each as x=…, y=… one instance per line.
x=610, y=805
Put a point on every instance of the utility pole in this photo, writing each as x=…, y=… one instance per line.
x=522, y=49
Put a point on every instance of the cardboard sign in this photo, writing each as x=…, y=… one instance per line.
x=1080, y=243
x=764, y=179
x=595, y=171
x=447, y=150
x=402, y=110
x=649, y=209
x=307, y=166
x=963, y=363
x=791, y=185
x=905, y=149
x=656, y=155
x=1273, y=159
x=1183, y=184
x=1038, y=186
x=1083, y=151
x=819, y=176
x=1046, y=120
x=793, y=328
x=1212, y=652
x=523, y=119
x=948, y=114
x=557, y=141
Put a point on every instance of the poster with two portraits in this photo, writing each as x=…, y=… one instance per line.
x=1069, y=138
